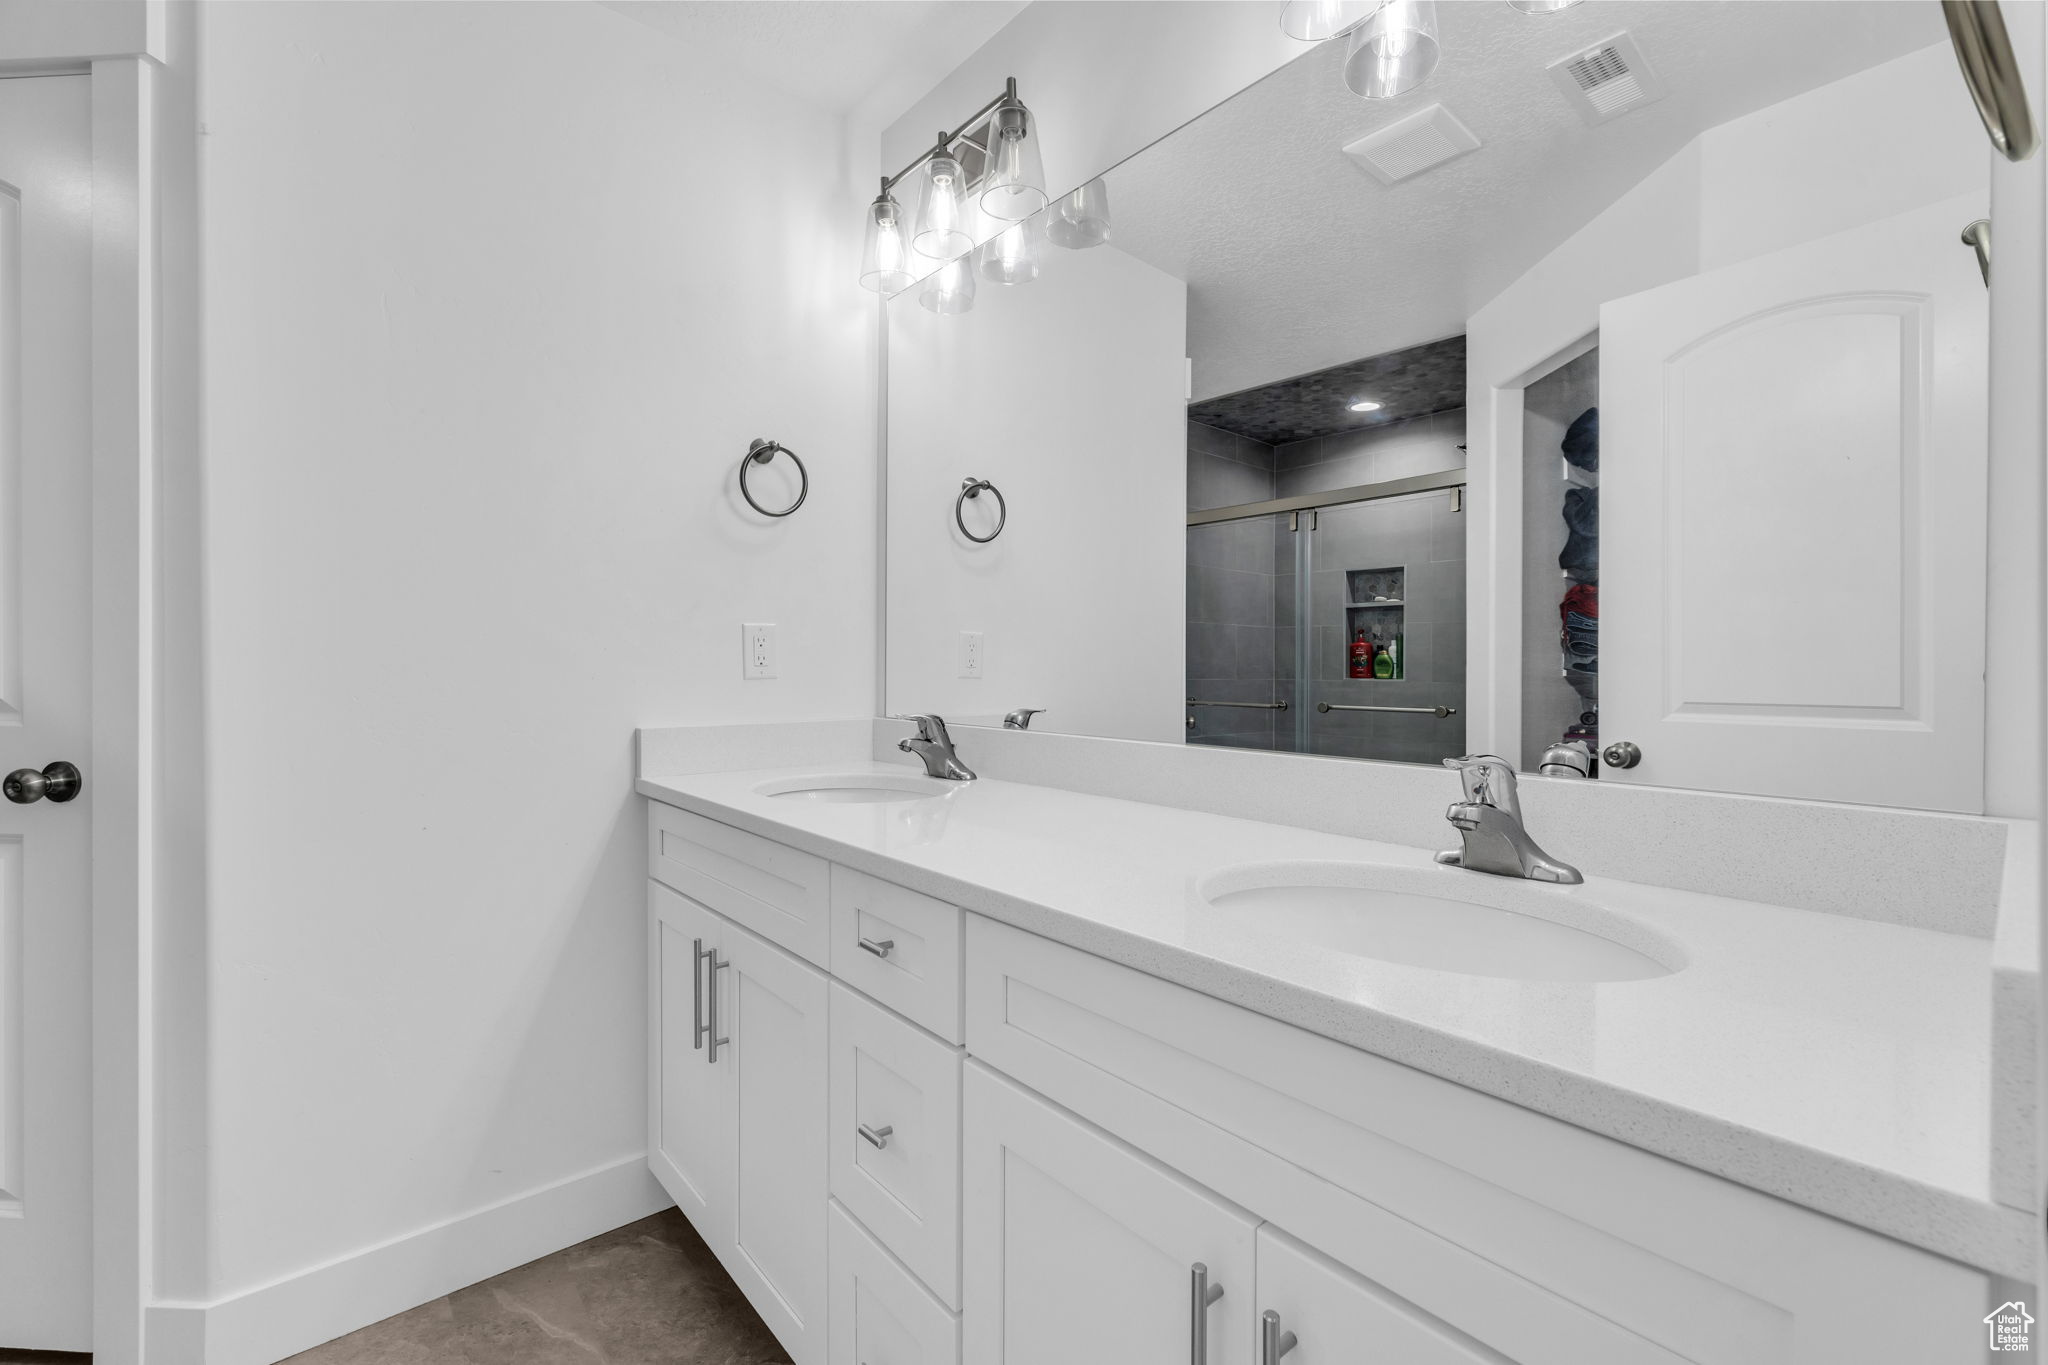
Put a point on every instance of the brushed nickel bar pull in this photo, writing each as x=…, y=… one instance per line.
x=1274, y=1343
x=1438, y=711
x=712, y=1027
x=1247, y=705
x=1978, y=235
x=879, y=947
x=1200, y=1295
x=1976, y=29
x=697, y=1029
x=878, y=1136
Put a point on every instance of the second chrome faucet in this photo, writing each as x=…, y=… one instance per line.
x=935, y=746
x=1489, y=825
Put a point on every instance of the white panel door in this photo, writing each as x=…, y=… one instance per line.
x=45, y=626
x=690, y=1144
x=774, y=1009
x=1793, y=517
x=1077, y=1248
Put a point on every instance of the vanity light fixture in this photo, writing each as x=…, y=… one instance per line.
x=1009, y=257
x=885, y=259
x=972, y=182
x=1312, y=21
x=1394, y=51
x=1366, y=405
x=1081, y=219
x=950, y=288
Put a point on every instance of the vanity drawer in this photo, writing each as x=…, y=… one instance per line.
x=895, y=1137
x=879, y=1314
x=912, y=959
x=781, y=894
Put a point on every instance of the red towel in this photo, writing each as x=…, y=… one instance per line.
x=1583, y=598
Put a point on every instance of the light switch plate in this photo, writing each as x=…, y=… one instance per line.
x=757, y=649
x=970, y=653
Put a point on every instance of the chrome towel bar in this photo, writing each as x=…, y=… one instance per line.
x=1438, y=711
x=1247, y=705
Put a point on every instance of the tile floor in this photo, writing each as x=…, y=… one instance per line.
x=649, y=1293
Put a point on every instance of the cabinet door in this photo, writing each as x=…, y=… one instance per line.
x=880, y=1314
x=1339, y=1318
x=691, y=1108
x=773, y=1009
x=1079, y=1248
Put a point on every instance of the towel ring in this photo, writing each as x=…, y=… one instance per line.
x=761, y=452
x=971, y=488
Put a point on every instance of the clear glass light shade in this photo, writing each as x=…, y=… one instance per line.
x=943, y=228
x=1081, y=219
x=1009, y=257
x=1314, y=20
x=1394, y=51
x=1015, y=187
x=1541, y=6
x=886, y=260
x=950, y=288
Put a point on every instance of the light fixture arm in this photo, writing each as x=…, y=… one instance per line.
x=946, y=140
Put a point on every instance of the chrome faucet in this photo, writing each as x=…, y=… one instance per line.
x=935, y=747
x=1489, y=825
x=1020, y=719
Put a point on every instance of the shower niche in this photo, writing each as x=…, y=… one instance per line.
x=1375, y=606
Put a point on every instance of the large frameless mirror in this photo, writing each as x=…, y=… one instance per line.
x=1615, y=387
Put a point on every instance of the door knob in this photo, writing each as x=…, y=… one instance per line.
x=60, y=781
x=1622, y=754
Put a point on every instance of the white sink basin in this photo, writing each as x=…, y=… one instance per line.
x=1483, y=927
x=855, y=788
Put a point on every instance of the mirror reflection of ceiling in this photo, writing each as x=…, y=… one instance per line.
x=1413, y=382
x=1297, y=260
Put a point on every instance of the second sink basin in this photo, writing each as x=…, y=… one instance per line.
x=855, y=788
x=1494, y=928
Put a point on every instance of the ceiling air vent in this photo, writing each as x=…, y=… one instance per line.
x=1607, y=80
x=1428, y=137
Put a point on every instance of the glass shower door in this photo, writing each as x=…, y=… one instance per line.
x=1242, y=642
x=1384, y=618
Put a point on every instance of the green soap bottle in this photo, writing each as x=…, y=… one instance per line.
x=1383, y=662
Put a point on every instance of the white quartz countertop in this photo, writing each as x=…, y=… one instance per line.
x=1835, y=1062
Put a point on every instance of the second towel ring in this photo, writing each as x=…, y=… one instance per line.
x=971, y=488
x=761, y=452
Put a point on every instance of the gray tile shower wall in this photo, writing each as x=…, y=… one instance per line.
x=1231, y=596
x=1421, y=445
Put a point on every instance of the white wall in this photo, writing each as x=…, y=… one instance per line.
x=1070, y=394
x=1894, y=137
x=1105, y=78
x=496, y=295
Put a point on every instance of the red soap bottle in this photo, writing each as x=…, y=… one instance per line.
x=1361, y=657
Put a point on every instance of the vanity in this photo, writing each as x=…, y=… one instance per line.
x=998, y=1072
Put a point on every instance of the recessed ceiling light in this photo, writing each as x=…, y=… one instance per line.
x=1366, y=405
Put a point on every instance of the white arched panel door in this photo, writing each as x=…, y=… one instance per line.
x=1792, y=559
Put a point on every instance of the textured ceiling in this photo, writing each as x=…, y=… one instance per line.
x=1297, y=260
x=875, y=57
x=1408, y=383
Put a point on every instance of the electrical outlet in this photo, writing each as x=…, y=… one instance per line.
x=757, y=649
x=970, y=653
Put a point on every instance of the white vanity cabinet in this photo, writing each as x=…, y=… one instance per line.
x=926, y=1137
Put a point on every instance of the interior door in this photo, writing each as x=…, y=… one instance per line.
x=1077, y=1248
x=45, y=625
x=774, y=1009
x=1793, y=521
x=693, y=1116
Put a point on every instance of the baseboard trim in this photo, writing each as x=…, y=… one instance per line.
x=268, y=1323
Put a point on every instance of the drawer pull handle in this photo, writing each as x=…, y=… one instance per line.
x=878, y=1136
x=879, y=947
x=1200, y=1295
x=1273, y=1343
x=711, y=1027
x=697, y=1029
